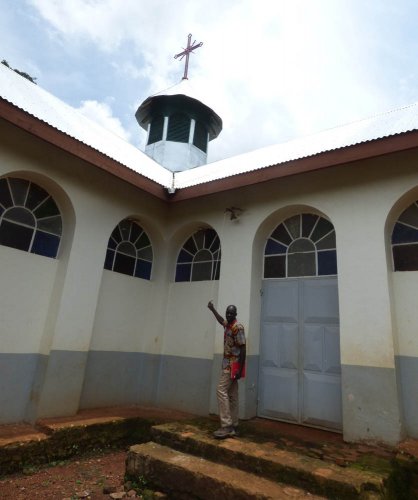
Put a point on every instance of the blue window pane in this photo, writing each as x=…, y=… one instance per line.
x=308, y=222
x=5, y=196
x=116, y=235
x=275, y=267
x=47, y=209
x=35, y=196
x=143, y=241
x=143, y=269
x=327, y=243
x=404, y=234
x=405, y=257
x=301, y=264
x=145, y=253
x=127, y=248
x=51, y=224
x=410, y=215
x=19, y=188
x=183, y=272
x=281, y=234
x=293, y=226
x=184, y=256
x=202, y=271
x=125, y=229
x=273, y=248
x=216, y=270
x=135, y=232
x=124, y=264
x=15, y=236
x=321, y=229
x=190, y=246
x=301, y=245
x=210, y=235
x=110, y=254
x=203, y=256
x=112, y=243
x=327, y=263
x=20, y=216
x=199, y=238
x=45, y=244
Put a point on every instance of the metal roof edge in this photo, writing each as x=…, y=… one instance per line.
x=43, y=130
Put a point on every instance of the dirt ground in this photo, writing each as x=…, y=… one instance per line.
x=79, y=478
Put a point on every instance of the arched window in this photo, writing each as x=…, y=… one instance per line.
x=405, y=240
x=29, y=218
x=303, y=245
x=156, y=129
x=178, y=128
x=200, y=257
x=129, y=250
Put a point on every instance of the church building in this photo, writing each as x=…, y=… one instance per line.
x=109, y=256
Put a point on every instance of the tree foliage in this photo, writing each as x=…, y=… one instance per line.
x=21, y=73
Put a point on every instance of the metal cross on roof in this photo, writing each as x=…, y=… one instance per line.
x=188, y=50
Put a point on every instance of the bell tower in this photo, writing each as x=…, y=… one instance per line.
x=178, y=124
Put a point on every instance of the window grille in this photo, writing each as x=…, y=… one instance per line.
x=405, y=240
x=200, y=257
x=303, y=245
x=29, y=218
x=129, y=251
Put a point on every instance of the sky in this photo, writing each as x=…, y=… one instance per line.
x=273, y=70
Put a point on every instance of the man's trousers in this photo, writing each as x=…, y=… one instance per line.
x=227, y=394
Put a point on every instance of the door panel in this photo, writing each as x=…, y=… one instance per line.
x=321, y=401
x=279, y=354
x=300, y=371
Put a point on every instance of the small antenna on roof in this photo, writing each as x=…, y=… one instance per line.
x=186, y=52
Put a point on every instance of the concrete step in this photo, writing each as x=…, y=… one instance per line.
x=186, y=477
x=267, y=460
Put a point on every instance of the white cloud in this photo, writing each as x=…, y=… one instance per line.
x=101, y=113
x=271, y=69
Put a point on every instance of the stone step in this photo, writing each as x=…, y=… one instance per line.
x=186, y=477
x=267, y=460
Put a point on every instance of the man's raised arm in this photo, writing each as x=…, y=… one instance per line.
x=215, y=313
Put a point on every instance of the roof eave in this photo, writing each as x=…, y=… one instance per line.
x=347, y=155
x=46, y=132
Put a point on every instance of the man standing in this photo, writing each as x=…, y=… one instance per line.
x=232, y=369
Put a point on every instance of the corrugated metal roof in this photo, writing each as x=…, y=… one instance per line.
x=384, y=125
x=36, y=101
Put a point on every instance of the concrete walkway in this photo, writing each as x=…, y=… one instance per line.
x=64, y=437
x=319, y=443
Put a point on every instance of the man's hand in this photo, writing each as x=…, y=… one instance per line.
x=218, y=317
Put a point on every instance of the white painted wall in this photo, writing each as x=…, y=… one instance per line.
x=405, y=286
x=357, y=199
x=127, y=315
x=190, y=328
x=27, y=281
x=80, y=306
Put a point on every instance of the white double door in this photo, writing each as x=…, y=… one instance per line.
x=300, y=367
